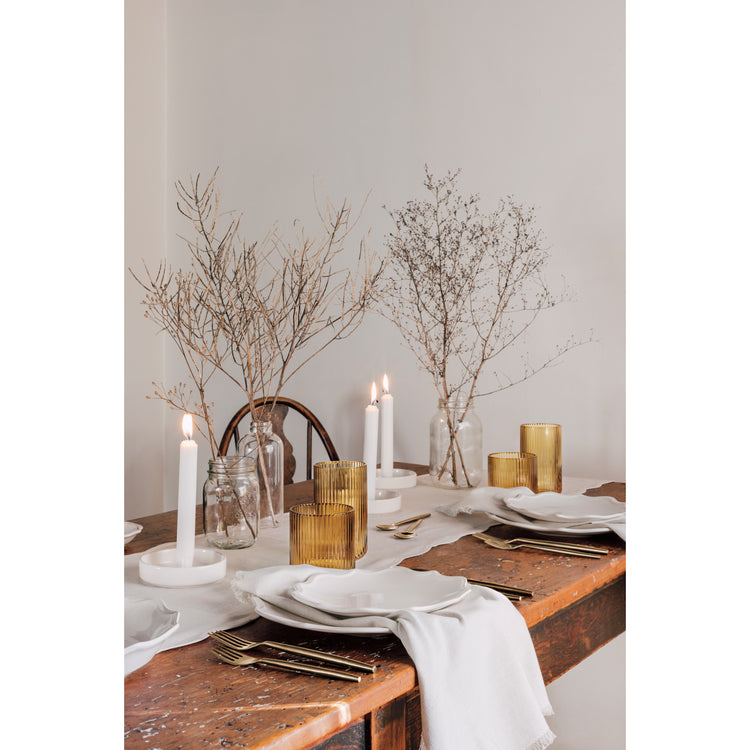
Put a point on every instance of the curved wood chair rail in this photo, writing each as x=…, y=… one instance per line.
x=276, y=414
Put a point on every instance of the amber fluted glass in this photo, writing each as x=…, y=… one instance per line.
x=345, y=482
x=321, y=534
x=512, y=469
x=545, y=441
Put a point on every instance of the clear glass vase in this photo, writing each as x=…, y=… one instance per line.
x=456, y=458
x=230, y=503
x=266, y=448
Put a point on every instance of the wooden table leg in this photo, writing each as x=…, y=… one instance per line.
x=388, y=726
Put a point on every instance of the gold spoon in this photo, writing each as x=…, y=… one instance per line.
x=410, y=532
x=393, y=526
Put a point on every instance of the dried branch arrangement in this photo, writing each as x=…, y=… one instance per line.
x=464, y=286
x=255, y=313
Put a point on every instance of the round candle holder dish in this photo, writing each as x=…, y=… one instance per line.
x=400, y=479
x=161, y=568
x=385, y=501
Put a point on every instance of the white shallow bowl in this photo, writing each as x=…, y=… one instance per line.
x=400, y=479
x=380, y=592
x=132, y=530
x=385, y=501
x=148, y=623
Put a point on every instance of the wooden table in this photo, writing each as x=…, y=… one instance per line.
x=185, y=698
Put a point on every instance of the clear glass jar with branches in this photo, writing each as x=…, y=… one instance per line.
x=255, y=313
x=462, y=287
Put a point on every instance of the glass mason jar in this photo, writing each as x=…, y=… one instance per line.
x=266, y=448
x=456, y=458
x=230, y=503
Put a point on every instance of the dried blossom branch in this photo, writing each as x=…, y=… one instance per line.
x=256, y=312
x=464, y=286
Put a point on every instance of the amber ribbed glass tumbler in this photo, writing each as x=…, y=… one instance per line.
x=345, y=482
x=545, y=441
x=512, y=469
x=322, y=535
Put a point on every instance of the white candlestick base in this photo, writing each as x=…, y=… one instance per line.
x=162, y=568
x=385, y=501
x=399, y=479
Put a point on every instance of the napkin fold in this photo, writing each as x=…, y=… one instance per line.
x=492, y=501
x=479, y=677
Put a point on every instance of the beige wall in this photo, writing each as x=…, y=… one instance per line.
x=527, y=98
x=145, y=103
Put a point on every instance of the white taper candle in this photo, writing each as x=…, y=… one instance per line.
x=371, y=443
x=186, y=493
x=386, y=438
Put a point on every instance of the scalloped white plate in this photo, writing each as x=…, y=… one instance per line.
x=148, y=623
x=282, y=617
x=380, y=592
x=131, y=531
x=552, y=506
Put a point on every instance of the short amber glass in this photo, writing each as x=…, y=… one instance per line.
x=545, y=441
x=322, y=535
x=345, y=482
x=512, y=469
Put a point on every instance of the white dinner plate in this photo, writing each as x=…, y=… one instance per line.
x=511, y=518
x=380, y=592
x=281, y=616
x=148, y=623
x=554, y=507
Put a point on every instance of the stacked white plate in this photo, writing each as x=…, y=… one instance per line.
x=344, y=598
x=561, y=514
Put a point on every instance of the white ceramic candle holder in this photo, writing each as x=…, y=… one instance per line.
x=399, y=479
x=385, y=501
x=161, y=568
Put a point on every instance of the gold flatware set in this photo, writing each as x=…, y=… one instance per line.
x=543, y=545
x=232, y=649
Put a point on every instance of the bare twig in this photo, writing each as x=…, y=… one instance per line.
x=465, y=286
x=256, y=312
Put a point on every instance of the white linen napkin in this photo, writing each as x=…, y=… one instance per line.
x=491, y=500
x=478, y=672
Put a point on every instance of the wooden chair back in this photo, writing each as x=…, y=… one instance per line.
x=276, y=414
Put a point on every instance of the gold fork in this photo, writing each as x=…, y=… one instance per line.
x=237, y=643
x=228, y=656
x=566, y=545
x=501, y=544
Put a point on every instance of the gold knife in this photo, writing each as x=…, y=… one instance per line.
x=568, y=545
x=499, y=544
x=502, y=588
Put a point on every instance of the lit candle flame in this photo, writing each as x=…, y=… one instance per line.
x=187, y=426
x=374, y=394
x=385, y=384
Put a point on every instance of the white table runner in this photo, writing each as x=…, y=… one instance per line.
x=215, y=607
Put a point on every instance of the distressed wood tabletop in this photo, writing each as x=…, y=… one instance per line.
x=185, y=698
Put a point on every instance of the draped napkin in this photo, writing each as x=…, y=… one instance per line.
x=496, y=503
x=479, y=677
